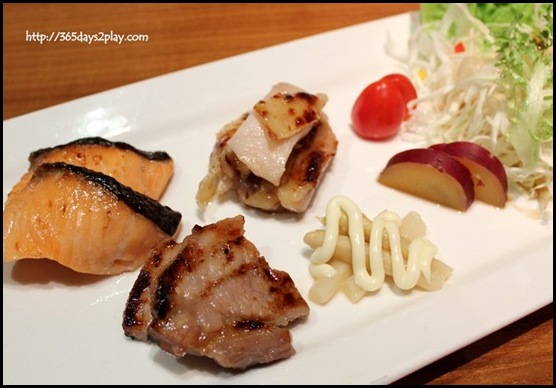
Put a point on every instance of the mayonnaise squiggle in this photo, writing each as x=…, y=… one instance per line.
x=421, y=251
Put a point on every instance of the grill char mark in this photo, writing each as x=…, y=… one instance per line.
x=133, y=306
x=314, y=167
x=137, y=313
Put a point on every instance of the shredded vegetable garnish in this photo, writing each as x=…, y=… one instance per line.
x=483, y=73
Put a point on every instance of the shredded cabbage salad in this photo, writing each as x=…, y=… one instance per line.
x=483, y=73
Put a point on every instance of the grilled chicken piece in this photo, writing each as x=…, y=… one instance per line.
x=305, y=169
x=85, y=220
x=215, y=296
x=273, y=156
x=146, y=172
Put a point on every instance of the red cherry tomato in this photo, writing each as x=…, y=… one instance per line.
x=406, y=88
x=379, y=111
x=459, y=48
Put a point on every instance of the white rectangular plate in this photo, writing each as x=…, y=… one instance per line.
x=64, y=328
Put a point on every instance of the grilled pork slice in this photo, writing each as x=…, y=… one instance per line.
x=215, y=296
x=305, y=168
x=146, y=172
x=85, y=220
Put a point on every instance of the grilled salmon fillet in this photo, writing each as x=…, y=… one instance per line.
x=214, y=295
x=83, y=219
x=146, y=172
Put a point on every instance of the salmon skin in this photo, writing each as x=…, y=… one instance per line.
x=85, y=220
x=146, y=172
